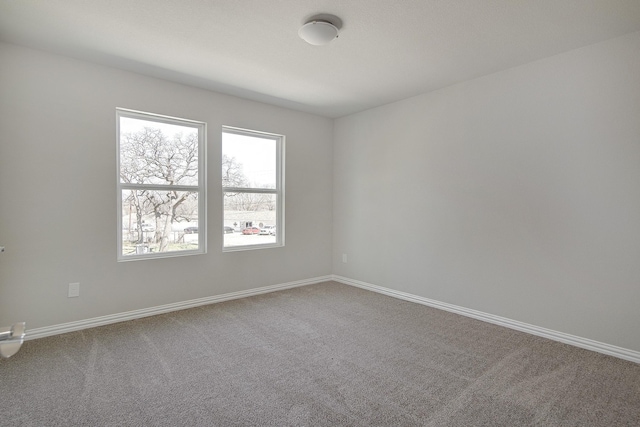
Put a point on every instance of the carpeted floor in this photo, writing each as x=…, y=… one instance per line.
x=325, y=354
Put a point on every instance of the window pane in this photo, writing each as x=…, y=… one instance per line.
x=159, y=221
x=248, y=161
x=252, y=217
x=157, y=153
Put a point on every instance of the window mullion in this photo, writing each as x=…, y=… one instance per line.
x=158, y=187
x=250, y=190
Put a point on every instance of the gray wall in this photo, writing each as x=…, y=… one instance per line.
x=58, y=193
x=515, y=194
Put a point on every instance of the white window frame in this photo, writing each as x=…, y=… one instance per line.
x=200, y=188
x=278, y=191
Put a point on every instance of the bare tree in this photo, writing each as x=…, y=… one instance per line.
x=232, y=174
x=150, y=157
x=131, y=173
x=250, y=202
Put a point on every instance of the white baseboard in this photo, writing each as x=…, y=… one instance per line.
x=611, y=350
x=152, y=311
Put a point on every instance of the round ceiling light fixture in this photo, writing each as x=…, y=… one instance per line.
x=318, y=32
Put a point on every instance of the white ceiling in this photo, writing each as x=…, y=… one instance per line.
x=387, y=50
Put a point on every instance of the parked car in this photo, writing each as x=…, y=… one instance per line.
x=191, y=230
x=272, y=231
x=228, y=229
x=251, y=230
x=267, y=229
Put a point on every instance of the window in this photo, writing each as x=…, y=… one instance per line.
x=161, y=186
x=253, y=189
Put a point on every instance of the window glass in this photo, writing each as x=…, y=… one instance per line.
x=158, y=153
x=252, y=217
x=248, y=161
x=253, y=189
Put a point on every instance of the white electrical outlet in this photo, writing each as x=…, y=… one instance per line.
x=74, y=290
x=344, y=258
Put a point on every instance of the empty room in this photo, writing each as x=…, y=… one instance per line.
x=305, y=213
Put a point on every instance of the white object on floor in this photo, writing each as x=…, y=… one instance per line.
x=11, y=339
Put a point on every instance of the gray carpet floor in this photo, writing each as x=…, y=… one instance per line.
x=325, y=354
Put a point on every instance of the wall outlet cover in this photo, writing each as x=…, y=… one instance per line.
x=74, y=290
